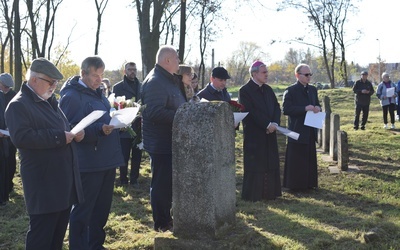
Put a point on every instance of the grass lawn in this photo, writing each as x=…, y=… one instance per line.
x=336, y=216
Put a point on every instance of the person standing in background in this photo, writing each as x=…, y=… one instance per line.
x=301, y=170
x=6, y=86
x=99, y=154
x=261, y=179
x=4, y=195
x=187, y=74
x=49, y=159
x=216, y=88
x=162, y=95
x=363, y=90
x=107, y=90
x=388, y=103
x=130, y=87
x=398, y=101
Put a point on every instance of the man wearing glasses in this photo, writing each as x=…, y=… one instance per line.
x=49, y=167
x=300, y=172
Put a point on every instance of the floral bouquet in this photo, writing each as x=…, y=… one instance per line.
x=238, y=112
x=120, y=102
x=236, y=107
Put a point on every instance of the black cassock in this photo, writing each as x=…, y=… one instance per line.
x=260, y=150
x=300, y=170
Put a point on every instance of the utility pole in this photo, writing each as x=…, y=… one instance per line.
x=379, y=60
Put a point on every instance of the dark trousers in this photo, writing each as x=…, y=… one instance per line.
x=365, y=111
x=161, y=189
x=127, y=150
x=398, y=103
x=388, y=108
x=86, y=229
x=47, y=231
x=12, y=164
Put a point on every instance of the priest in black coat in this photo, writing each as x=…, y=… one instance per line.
x=261, y=180
x=300, y=171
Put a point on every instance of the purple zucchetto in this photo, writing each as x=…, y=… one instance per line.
x=255, y=66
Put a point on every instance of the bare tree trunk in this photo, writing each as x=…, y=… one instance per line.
x=17, y=43
x=182, y=31
x=100, y=10
x=149, y=34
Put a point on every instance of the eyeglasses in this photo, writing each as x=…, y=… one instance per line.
x=306, y=75
x=51, y=83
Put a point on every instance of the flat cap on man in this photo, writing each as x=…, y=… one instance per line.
x=7, y=80
x=364, y=73
x=220, y=72
x=42, y=65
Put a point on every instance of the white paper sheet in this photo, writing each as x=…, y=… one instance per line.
x=89, y=119
x=123, y=117
x=238, y=117
x=315, y=120
x=390, y=92
x=5, y=132
x=288, y=133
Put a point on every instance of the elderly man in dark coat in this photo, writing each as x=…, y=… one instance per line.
x=300, y=171
x=49, y=167
x=261, y=178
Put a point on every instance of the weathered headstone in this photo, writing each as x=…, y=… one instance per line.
x=203, y=170
x=335, y=126
x=343, y=150
x=326, y=107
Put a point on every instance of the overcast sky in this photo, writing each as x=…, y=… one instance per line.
x=259, y=24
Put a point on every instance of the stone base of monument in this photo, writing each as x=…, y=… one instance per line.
x=203, y=177
x=166, y=243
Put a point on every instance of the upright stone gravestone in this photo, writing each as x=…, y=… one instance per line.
x=335, y=126
x=326, y=107
x=203, y=172
x=343, y=150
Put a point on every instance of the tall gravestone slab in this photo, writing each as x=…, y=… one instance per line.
x=203, y=170
x=326, y=107
x=343, y=150
x=335, y=126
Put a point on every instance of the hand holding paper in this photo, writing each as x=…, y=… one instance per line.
x=123, y=117
x=315, y=120
x=5, y=132
x=288, y=133
x=89, y=119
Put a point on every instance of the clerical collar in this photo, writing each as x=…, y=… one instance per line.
x=259, y=84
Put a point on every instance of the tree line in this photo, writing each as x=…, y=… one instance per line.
x=164, y=22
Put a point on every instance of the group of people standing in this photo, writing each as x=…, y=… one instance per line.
x=387, y=93
x=69, y=177
x=261, y=180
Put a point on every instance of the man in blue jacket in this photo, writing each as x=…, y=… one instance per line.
x=99, y=154
x=162, y=95
x=49, y=165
